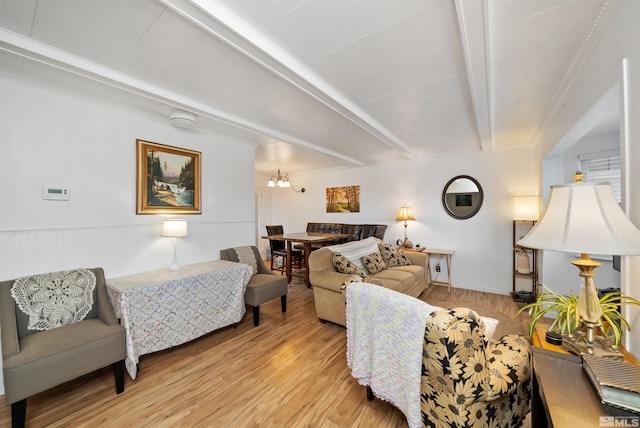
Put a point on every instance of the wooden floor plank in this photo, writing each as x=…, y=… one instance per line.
x=289, y=371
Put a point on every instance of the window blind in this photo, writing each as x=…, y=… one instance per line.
x=603, y=167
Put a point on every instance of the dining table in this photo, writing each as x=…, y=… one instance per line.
x=306, y=239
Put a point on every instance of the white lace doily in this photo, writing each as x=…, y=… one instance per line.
x=55, y=299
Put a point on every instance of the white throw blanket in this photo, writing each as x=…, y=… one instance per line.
x=385, y=334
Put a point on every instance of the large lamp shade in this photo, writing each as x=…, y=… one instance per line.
x=584, y=218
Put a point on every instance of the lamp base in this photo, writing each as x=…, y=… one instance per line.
x=590, y=340
x=175, y=267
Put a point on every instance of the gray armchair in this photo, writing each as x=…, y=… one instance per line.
x=35, y=360
x=264, y=285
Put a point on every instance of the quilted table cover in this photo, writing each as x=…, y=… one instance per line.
x=161, y=309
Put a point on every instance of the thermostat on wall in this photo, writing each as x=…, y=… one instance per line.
x=56, y=193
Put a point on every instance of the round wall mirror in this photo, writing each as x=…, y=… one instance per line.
x=462, y=197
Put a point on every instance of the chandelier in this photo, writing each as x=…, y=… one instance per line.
x=282, y=181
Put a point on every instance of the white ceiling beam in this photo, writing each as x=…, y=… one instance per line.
x=45, y=54
x=214, y=18
x=473, y=28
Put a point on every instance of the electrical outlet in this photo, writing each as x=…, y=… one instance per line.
x=438, y=267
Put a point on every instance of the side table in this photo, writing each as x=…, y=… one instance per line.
x=447, y=254
x=562, y=395
x=413, y=249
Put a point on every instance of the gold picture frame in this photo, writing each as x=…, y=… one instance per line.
x=168, y=179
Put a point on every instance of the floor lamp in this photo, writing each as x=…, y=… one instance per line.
x=175, y=228
x=585, y=218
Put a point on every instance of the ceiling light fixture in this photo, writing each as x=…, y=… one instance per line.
x=282, y=181
x=183, y=119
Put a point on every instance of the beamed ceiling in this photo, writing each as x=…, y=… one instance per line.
x=318, y=84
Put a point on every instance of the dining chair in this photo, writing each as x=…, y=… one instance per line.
x=354, y=231
x=279, y=249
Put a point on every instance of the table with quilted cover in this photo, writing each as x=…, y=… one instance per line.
x=161, y=309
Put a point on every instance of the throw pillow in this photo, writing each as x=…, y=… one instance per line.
x=393, y=255
x=490, y=325
x=55, y=299
x=344, y=265
x=374, y=263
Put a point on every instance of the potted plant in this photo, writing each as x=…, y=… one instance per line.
x=568, y=319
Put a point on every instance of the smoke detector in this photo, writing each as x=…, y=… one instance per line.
x=183, y=119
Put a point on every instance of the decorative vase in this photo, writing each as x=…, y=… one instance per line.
x=523, y=263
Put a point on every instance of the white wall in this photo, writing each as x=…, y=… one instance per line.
x=50, y=137
x=604, y=67
x=482, y=244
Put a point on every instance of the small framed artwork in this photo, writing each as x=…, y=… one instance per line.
x=463, y=200
x=345, y=199
x=168, y=179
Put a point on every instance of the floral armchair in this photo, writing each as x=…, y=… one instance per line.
x=469, y=382
x=438, y=366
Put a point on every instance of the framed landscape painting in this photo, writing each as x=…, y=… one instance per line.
x=168, y=179
x=345, y=199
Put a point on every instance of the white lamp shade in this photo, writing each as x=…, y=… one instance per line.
x=584, y=218
x=174, y=228
x=525, y=208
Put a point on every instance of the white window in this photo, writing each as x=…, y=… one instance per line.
x=603, y=167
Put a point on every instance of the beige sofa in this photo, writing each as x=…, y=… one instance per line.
x=327, y=282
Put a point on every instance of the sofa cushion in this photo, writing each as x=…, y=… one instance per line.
x=392, y=254
x=344, y=265
x=374, y=263
x=396, y=280
x=355, y=250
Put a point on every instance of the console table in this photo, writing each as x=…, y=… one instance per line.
x=161, y=309
x=562, y=395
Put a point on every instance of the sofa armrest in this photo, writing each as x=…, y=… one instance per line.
x=509, y=362
x=9, y=330
x=417, y=258
x=106, y=314
x=329, y=280
x=322, y=273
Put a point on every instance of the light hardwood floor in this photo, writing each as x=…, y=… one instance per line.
x=290, y=371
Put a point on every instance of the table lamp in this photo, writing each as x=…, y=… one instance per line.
x=175, y=228
x=404, y=215
x=585, y=218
